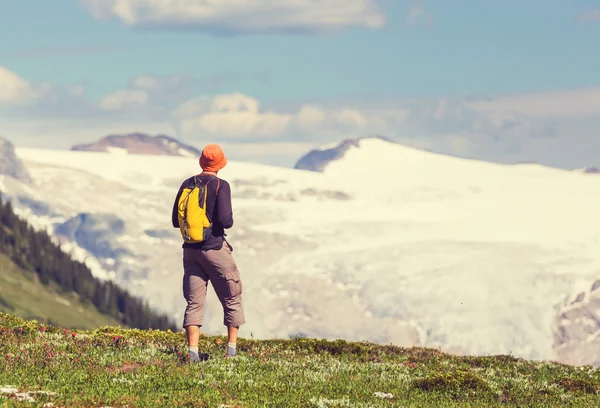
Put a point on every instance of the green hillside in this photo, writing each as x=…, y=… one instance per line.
x=30, y=255
x=22, y=294
x=112, y=367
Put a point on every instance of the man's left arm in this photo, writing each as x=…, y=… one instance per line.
x=175, y=215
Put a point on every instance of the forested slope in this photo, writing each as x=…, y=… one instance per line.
x=34, y=251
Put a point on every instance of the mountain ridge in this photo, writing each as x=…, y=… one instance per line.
x=140, y=143
x=406, y=259
x=317, y=159
x=36, y=251
x=10, y=164
x=22, y=294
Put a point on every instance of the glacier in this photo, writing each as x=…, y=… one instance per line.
x=387, y=243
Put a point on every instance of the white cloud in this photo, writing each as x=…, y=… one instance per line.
x=50, y=133
x=154, y=83
x=351, y=117
x=238, y=116
x=590, y=16
x=418, y=12
x=124, y=99
x=77, y=91
x=504, y=129
x=232, y=116
x=310, y=117
x=242, y=15
x=558, y=104
x=274, y=153
x=193, y=107
x=15, y=90
x=148, y=82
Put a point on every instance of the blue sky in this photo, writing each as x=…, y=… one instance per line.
x=290, y=75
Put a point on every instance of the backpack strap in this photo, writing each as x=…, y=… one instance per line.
x=192, y=183
x=218, y=183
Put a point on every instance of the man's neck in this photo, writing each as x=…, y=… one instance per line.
x=208, y=173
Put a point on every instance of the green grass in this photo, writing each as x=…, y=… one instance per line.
x=22, y=294
x=116, y=367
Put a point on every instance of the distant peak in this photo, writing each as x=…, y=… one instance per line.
x=10, y=164
x=318, y=159
x=589, y=170
x=140, y=143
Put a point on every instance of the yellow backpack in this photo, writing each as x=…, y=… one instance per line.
x=194, y=224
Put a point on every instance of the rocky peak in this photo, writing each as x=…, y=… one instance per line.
x=318, y=159
x=10, y=164
x=140, y=143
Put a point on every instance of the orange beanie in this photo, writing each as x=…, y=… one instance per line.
x=212, y=159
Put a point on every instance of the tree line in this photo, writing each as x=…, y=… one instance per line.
x=35, y=251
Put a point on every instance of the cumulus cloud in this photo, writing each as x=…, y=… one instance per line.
x=418, y=12
x=15, y=90
x=124, y=99
x=76, y=91
x=590, y=16
x=507, y=128
x=240, y=117
x=62, y=133
x=61, y=50
x=148, y=82
x=310, y=117
x=242, y=16
x=231, y=116
x=557, y=104
x=277, y=153
x=149, y=94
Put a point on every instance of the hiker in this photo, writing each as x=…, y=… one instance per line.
x=202, y=211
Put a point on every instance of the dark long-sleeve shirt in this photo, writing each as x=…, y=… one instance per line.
x=218, y=210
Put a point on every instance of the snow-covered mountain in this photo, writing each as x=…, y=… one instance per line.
x=140, y=143
x=387, y=243
x=318, y=159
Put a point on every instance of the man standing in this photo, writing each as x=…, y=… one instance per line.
x=211, y=259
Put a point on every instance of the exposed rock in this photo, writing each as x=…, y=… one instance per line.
x=318, y=159
x=579, y=298
x=10, y=164
x=36, y=206
x=159, y=233
x=588, y=170
x=139, y=143
x=96, y=233
x=577, y=335
x=332, y=195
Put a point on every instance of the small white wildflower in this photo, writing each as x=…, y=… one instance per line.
x=325, y=403
x=384, y=395
x=122, y=380
x=565, y=397
x=22, y=396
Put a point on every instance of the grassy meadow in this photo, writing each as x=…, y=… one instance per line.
x=47, y=366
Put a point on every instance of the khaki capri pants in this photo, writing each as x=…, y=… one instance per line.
x=218, y=267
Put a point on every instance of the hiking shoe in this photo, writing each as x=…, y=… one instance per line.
x=196, y=357
x=231, y=352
